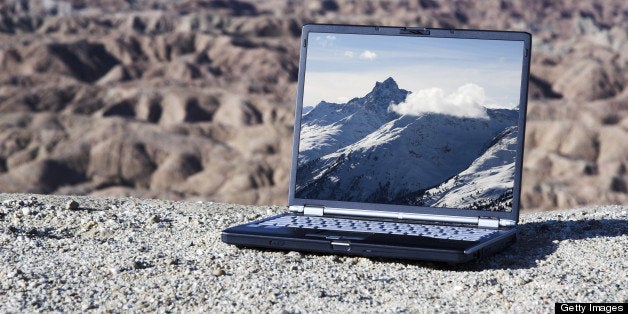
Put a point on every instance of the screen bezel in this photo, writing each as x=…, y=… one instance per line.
x=429, y=33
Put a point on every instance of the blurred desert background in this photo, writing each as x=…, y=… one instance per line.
x=195, y=99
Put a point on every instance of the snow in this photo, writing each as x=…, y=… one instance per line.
x=330, y=126
x=489, y=177
x=363, y=152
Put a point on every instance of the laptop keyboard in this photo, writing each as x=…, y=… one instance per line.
x=383, y=227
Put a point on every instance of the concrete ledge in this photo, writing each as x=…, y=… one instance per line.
x=145, y=255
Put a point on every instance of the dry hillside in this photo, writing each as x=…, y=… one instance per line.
x=194, y=99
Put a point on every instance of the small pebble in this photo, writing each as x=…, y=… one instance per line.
x=140, y=265
x=155, y=218
x=218, y=272
x=272, y=297
x=294, y=254
x=89, y=225
x=72, y=205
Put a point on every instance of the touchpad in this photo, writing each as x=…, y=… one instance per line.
x=335, y=235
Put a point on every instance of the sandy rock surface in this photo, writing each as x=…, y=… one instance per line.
x=127, y=254
x=195, y=99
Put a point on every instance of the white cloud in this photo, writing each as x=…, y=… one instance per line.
x=326, y=41
x=368, y=55
x=467, y=101
x=348, y=54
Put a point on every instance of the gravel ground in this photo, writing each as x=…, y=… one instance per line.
x=137, y=255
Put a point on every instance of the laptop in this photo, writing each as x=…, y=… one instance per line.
x=408, y=143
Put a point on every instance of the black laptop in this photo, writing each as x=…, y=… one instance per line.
x=408, y=143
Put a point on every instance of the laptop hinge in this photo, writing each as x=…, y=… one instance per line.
x=488, y=222
x=399, y=215
x=313, y=210
x=482, y=222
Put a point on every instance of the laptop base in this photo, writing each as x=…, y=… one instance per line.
x=365, y=244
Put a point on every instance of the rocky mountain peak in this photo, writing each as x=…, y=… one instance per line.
x=387, y=84
x=383, y=94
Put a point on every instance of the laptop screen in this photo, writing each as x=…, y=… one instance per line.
x=408, y=120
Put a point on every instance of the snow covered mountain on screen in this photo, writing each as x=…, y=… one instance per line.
x=487, y=183
x=329, y=126
x=362, y=151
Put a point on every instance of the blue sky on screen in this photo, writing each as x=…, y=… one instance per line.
x=343, y=66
